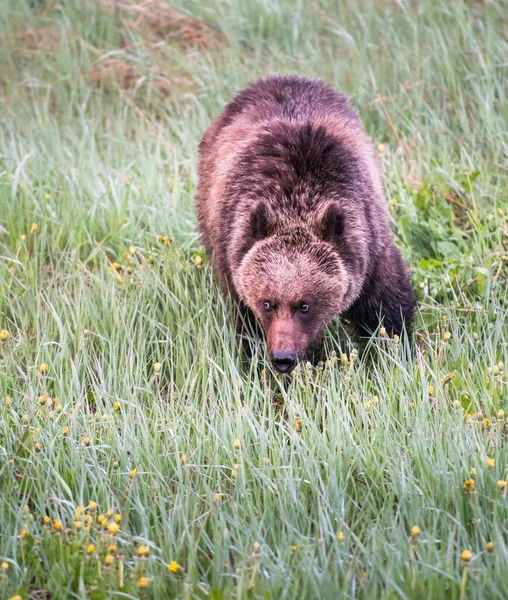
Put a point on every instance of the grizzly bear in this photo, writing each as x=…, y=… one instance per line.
x=291, y=209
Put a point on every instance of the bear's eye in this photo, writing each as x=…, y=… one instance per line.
x=267, y=305
x=304, y=307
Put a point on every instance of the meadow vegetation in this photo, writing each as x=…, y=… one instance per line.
x=141, y=454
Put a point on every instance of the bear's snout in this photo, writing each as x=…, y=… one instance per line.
x=284, y=361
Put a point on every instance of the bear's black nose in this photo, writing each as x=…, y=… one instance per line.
x=284, y=362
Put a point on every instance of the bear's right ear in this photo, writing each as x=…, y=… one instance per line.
x=332, y=223
x=260, y=224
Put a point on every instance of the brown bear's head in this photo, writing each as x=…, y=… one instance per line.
x=294, y=280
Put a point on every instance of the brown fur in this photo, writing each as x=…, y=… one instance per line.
x=291, y=207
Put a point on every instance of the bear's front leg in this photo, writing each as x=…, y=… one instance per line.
x=387, y=298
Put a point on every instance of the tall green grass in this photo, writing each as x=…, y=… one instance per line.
x=148, y=406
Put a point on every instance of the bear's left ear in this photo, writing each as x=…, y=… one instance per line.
x=260, y=221
x=332, y=223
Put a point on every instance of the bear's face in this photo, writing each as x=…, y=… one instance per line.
x=294, y=287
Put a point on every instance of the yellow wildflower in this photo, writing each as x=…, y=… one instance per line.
x=491, y=462
x=118, y=517
x=489, y=546
x=143, y=582
x=111, y=548
x=92, y=505
x=393, y=201
x=46, y=519
x=415, y=530
x=86, y=440
x=174, y=567
x=109, y=560
x=469, y=484
x=113, y=528
x=183, y=458
x=446, y=336
x=25, y=533
x=65, y=430
x=144, y=550
x=237, y=444
x=500, y=212
x=256, y=546
x=381, y=148
x=4, y=335
x=340, y=536
x=116, y=406
x=198, y=260
x=156, y=367
x=431, y=390
x=132, y=473
x=90, y=548
x=5, y=565
x=44, y=368
x=216, y=497
x=466, y=555
x=382, y=332
x=34, y=228
x=57, y=525
x=16, y=597
x=293, y=548
x=501, y=484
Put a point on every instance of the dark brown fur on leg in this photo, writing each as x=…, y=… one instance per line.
x=388, y=299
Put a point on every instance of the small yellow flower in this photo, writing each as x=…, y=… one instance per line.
x=174, y=567
x=381, y=148
x=491, y=462
x=466, y=555
x=37, y=447
x=500, y=414
x=34, y=228
x=144, y=550
x=183, y=458
x=113, y=528
x=112, y=548
x=446, y=336
x=65, y=430
x=143, y=582
x=116, y=266
x=415, y=530
x=293, y=548
x=90, y=549
x=132, y=473
x=44, y=368
x=109, y=512
x=469, y=484
x=57, y=525
x=156, y=367
x=382, y=332
x=472, y=472
x=487, y=423
x=340, y=536
x=102, y=520
x=393, y=201
x=25, y=533
x=234, y=473
x=7, y=401
x=116, y=464
x=118, y=517
x=489, y=546
x=500, y=212
x=256, y=546
x=23, y=237
x=501, y=484
x=4, y=335
x=78, y=524
x=5, y=565
x=92, y=505
x=126, y=176
x=86, y=441
x=237, y=444
x=109, y=560
x=396, y=339
x=46, y=519
x=16, y=597
x=86, y=331
x=216, y=497
x=116, y=406
x=198, y=260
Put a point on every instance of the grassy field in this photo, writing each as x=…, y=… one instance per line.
x=141, y=454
